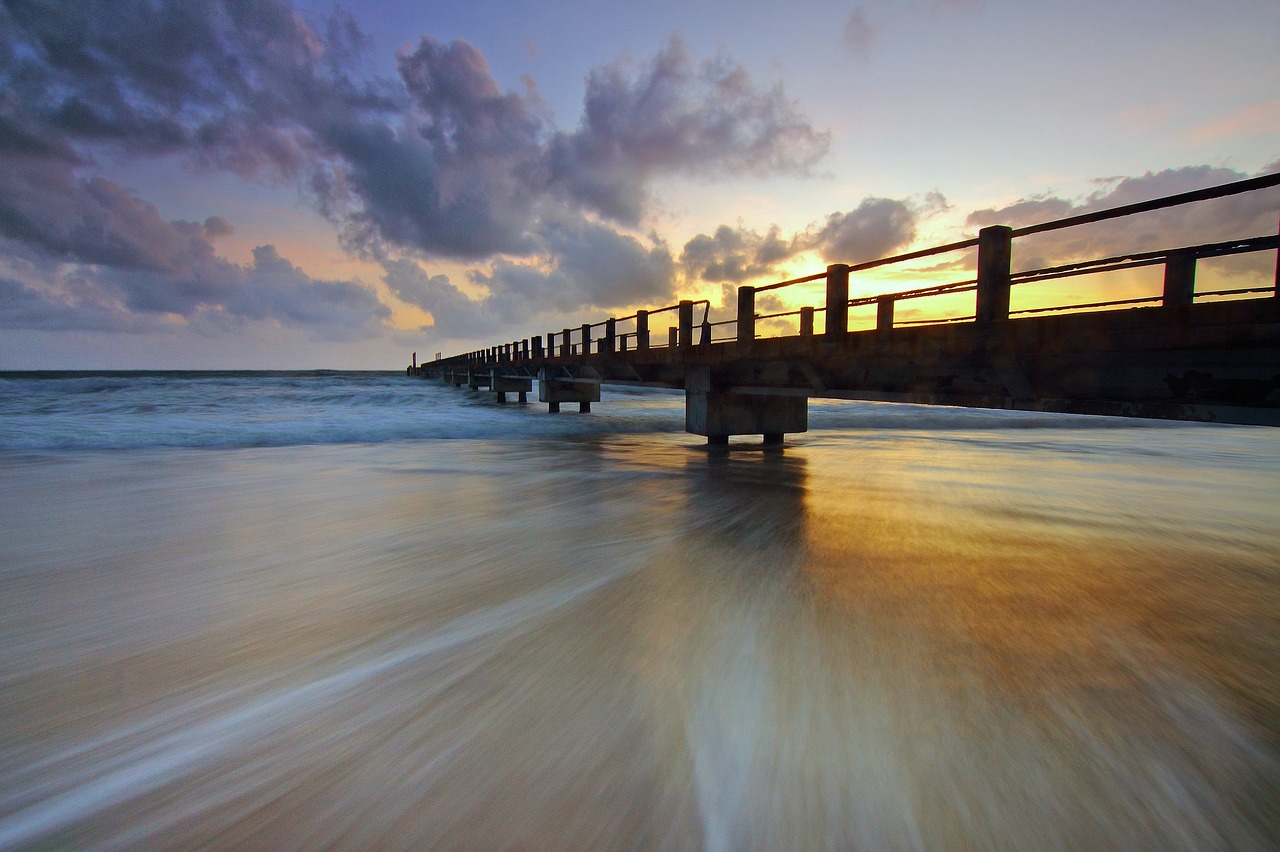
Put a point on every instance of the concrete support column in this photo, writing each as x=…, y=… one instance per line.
x=686, y=323
x=713, y=409
x=553, y=391
x=995, y=252
x=1179, y=279
x=642, y=331
x=806, y=321
x=837, y=301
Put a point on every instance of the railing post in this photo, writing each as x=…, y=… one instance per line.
x=686, y=323
x=837, y=301
x=586, y=338
x=537, y=346
x=1179, y=278
x=524, y=349
x=642, y=331
x=806, y=321
x=673, y=337
x=884, y=314
x=746, y=315
x=610, y=332
x=995, y=252
x=564, y=343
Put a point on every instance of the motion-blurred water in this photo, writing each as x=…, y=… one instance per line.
x=364, y=611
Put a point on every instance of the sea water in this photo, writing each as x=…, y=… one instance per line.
x=359, y=610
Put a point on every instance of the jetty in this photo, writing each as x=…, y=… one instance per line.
x=1177, y=353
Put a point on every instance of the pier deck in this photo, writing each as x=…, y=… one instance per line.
x=1174, y=355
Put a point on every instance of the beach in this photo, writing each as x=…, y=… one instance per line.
x=367, y=611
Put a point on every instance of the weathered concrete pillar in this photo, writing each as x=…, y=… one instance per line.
x=806, y=321
x=837, y=301
x=995, y=252
x=1179, y=279
x=685, y=313
x=884, y=315
x=642, y=331
x=586, y=339
x=717, y=411
x=610, y=332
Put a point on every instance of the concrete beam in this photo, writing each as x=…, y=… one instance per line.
x=554, y=391
x=717, y=413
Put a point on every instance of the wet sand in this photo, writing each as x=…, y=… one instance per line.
x=1010, y=639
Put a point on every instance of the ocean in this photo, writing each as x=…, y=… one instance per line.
x=294, y=610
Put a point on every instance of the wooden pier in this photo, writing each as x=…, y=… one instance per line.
x=1178, y=354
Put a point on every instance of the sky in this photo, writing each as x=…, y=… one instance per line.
x=288, y=184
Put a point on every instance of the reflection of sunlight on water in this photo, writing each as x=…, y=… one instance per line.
x=873, y=641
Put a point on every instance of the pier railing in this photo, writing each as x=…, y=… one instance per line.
x=992, y=284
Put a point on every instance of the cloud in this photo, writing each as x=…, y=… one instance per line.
x=676, y=117
x=235, y=85
x=876, y=228
x=587, y=266
x=736, y=254
x=1246, y=215
x=438, y=162
x=474, y=171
